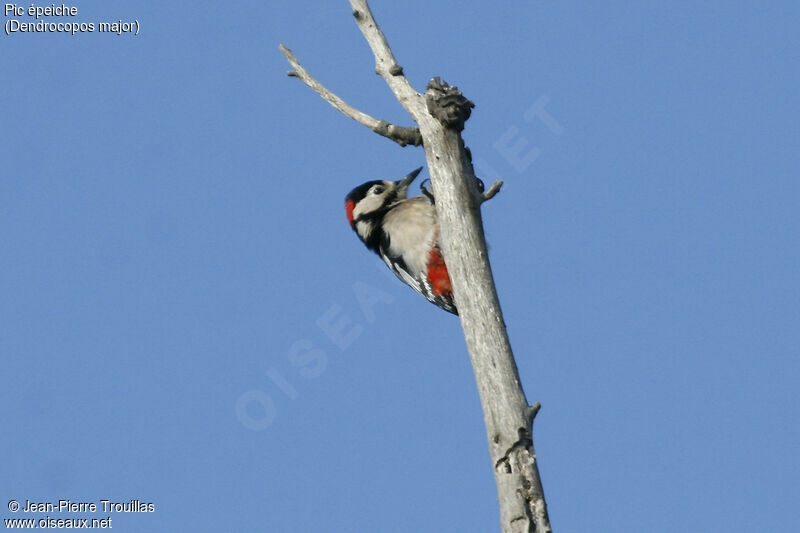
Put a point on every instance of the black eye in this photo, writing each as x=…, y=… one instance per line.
x=378, y=189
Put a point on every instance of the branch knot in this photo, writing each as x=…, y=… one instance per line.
x=447, y=104
x=399, y=134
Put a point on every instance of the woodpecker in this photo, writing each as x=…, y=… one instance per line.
x=405, y=233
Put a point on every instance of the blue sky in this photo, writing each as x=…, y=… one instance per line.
x=174, y=243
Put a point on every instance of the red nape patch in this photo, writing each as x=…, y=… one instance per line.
x=438, y=275
x=349, y=205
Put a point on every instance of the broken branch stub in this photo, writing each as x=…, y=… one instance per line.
x=447, y=105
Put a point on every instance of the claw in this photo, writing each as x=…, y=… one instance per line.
x=425, y=191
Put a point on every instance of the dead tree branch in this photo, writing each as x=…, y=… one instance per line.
x=385, y=63
x=493, y=190
x=441, y=113
x=400, y=135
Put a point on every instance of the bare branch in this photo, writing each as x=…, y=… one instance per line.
x=385, y=63
x=400, y=135
x=533, y=410
x=441, y=115
x=493, y=190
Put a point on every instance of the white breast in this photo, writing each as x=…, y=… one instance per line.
x=412, y=230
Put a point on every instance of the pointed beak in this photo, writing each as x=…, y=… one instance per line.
x=402, y=185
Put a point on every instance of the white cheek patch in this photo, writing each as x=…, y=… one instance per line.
x=364, y=228
x=367, y=205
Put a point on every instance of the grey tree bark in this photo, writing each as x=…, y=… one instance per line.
x=440, y=115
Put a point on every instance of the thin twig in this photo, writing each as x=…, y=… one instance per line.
x=385, y=63
x=533, y=410
x=493, y=190
x=400, y=135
